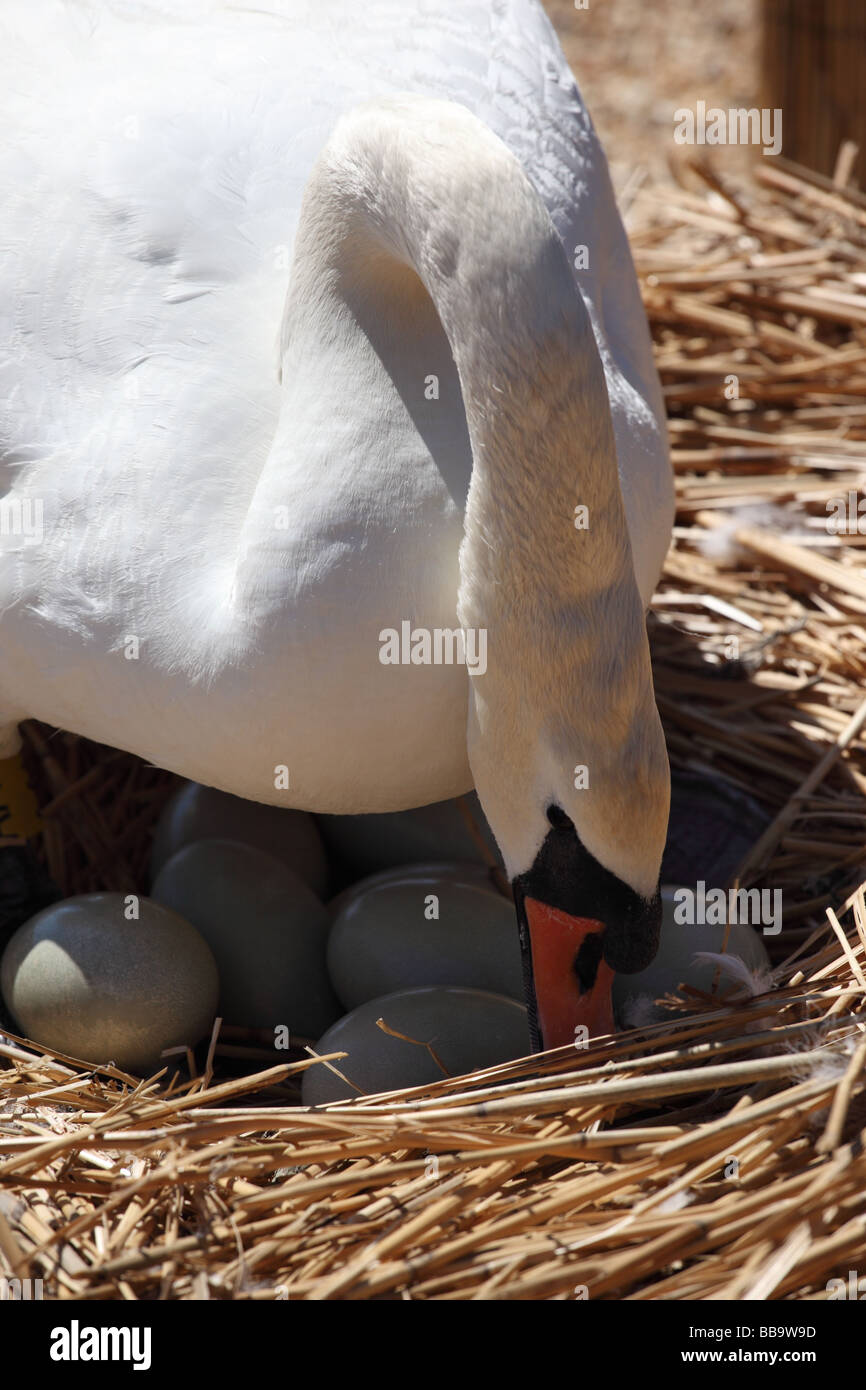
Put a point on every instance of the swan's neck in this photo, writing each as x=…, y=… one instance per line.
x=412, y=191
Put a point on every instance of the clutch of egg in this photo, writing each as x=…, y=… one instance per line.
x=236, y=926
x=238, y=884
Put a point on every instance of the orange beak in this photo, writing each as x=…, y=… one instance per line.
x=571, y=977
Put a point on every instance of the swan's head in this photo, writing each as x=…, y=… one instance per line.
x=577, y=790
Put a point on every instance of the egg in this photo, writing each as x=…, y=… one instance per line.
x=267, y=929
x=202, y=813
x=711, y=827
x=674, y=962
x=83, y=978
x=467, y=1028
x=427, y=924
x=368, y=844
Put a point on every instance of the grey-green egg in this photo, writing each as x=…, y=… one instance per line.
x=104, y=977
x=426, y=924
x=466, y=1029
x=438, y=832
x=203, y=813
x=267, y=929
x=634, y=995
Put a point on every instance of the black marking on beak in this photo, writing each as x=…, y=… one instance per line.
x=587, y=961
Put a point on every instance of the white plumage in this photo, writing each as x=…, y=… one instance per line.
x=222, y=405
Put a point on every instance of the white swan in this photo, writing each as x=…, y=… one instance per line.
x=294, y=350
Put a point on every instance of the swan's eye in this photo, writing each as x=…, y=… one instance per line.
x=558, y=819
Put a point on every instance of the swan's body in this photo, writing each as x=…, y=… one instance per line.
x=241, y=490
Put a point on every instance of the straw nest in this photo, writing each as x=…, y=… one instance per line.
x=718, y=1156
